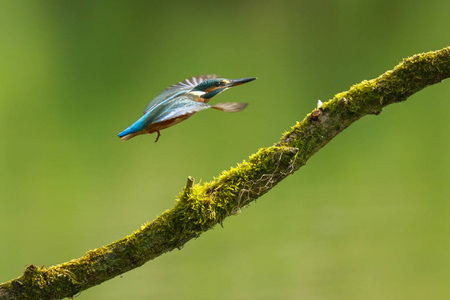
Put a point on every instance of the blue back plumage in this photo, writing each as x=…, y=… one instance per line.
x=176, y=105
x=183, y=86
x=173, y=102
x=179, y=101
x=136, y=127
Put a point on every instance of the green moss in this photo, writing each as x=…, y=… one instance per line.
x=202, y=206
x=36, y=281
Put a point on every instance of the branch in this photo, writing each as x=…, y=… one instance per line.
x=200, y=207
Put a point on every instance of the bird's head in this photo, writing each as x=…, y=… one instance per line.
x=215, y=86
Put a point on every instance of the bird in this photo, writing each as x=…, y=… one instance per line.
x=180, y=101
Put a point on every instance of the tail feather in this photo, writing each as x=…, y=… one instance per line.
x=230, y=106
x=128, y=136
x=134, y=129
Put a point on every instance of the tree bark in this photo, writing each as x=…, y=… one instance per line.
x=200, y=207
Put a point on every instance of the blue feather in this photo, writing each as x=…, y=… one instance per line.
x=178, y=102
x=173, y=107
x=135, y=127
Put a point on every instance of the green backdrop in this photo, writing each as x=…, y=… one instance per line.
x=366, y=218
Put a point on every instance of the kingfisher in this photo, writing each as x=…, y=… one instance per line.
x=180, y=101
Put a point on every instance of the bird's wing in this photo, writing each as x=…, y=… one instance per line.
x=176, y=108
x=190, y=83
x=182, y=86
x=230, y=106
x=172, y=108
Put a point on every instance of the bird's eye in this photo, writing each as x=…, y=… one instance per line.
x=221, y=83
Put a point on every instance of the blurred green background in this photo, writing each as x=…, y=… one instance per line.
x=367, y=218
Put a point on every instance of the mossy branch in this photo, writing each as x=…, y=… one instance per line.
x=200, y=207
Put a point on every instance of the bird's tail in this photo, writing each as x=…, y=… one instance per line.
x=230, y=106
x=128, y=136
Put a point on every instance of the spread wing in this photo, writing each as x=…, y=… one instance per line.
x=171, y=109
x=177, y=108
x=192, y=82
x=178, y=89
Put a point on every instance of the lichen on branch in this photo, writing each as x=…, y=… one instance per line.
x=200, y=207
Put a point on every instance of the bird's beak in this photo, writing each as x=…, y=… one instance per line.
x=236, y=82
